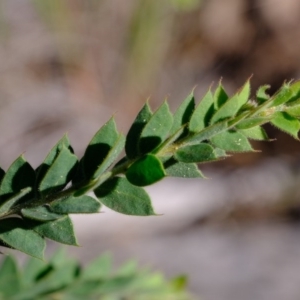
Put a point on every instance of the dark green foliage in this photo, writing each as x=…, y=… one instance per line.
x=145, y=171
x=157, y=145
x=134, y=133
x=121, y=196
x=76, y=205
x=63, y=278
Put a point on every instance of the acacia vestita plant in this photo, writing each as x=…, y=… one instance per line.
x=35, y=204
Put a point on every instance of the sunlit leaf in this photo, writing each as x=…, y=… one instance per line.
x=286, y=123
x=52, y=155
x=207, y=133
x=195, y=153
x=179, y=169
x=157, y=129
x=255, y=133
x=202, y=113
x=59, y=173
x=120, y=195
x=232, y=141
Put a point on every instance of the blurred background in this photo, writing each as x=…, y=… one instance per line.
x=68, y=65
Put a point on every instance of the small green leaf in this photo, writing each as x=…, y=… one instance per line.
x=255, y=133
x=145, y=171
x=40, y=213
x=293, y=110
x=179, y=169
x=183, y=113
x=232, y=141
x=207, y=133
x=14, y=233
x=133, y=136
x=244, y=93
x=220, y=96
x=157, y=129
x=60, y=230
x=52, y=155
x=295, y=88
x=76, y=205
x=232, y=105
x=120, y=195
x=19, y=176
x=282, y=96
x=10, y=283
x=59, y=173
x=195, y=153
x=286, y=123
x=202, y=113
x=103, y=149
x=252, y=122
x=8, y=204
x=261, y=94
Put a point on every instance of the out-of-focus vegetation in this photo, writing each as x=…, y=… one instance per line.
x=63, y=278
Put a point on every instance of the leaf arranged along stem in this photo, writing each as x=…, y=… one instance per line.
x=35, y=204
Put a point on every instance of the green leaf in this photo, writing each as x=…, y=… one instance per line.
x=8, y=204
x=98, y=269
x=76, y=205
x=10, y=283
x=244, y=93
x=232, y=105
x=40, y=213
x=255, y=133
x=282, y=96
x=19, y=176
x=195, y=153
x=232, y=141
x=157, y=129
x=133, y=136
x=286, y=123
x=59, y=173
x=295, y=88
x=14, y=233
x=120, y=195
x=207, y=133
x=220, y=96
x=202, y=113
x=294, y=111
x=178, y=169
x=145, y=171
x=252, y=122
x=50, y=158
x=261, y=94
x=103, y=149
x=183, y=113
x=60, y=230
